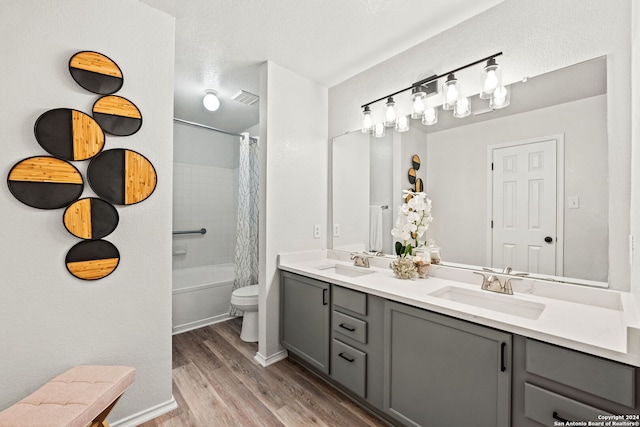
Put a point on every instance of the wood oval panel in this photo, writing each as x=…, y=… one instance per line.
x=69, y=134
x=117, y=115
x=90, y=218
x=45, y=182
x=92, y=259
x=96, y=72
x=412, y=176
x=415, y=161
x=122, y=177
x=419, y=186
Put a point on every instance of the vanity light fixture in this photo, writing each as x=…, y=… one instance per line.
x=210, y=100
x=491, y=88
x=367, y=121
x=390, y=113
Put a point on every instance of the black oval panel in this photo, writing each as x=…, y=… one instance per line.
x=117, y=115
x=69, y=134
x=92, y=259
x=45, y=182
x=96, y=72
x=122, y=177
x=90, y=218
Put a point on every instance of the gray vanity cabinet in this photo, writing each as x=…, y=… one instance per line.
x=555, y=385
x=305, y=319
x=441, y=371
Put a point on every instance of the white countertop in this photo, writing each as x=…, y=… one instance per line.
x=600, y=322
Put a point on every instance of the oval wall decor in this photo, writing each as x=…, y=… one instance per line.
x=92, y=259
x=122, y=177
x=90, y=218
x=117, y=115
x=45, y=182
x=415, y=161
x=96, y=72
x=419, y=186
x=412, y=176
x=69, y=134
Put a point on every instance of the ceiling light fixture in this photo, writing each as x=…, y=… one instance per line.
x=491, y=88
x=210, y=100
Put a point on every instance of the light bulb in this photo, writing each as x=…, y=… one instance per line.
x=491, y=78
x=500, y=98
x=378, y=130
x=402, y=124
x=418, y=97
x=367, y=122
x=430, y=116
x=211, y=101
x=451, y=90
x=490, y=82
x=462, y=108
x=390, y=113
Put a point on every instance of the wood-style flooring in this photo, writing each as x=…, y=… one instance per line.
x=216, y=382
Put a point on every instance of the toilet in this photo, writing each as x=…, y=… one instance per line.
x=246, y=300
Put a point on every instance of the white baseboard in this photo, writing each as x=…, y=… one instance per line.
x=201, y=323
x=147, y=414
x=267, y=361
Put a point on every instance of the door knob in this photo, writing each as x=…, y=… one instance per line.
x=548, y=239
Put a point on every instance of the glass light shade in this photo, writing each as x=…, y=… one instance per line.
x=379, y=130
x=462, y=108
x=211, y=101
x=430, y=116
x=491, y=79
x=402, y=124
x=500, y=99
x=367, y=122
x=450, y=92
x=418, y=97
x=390, y=113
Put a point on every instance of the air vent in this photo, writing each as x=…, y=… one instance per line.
x=245, y=97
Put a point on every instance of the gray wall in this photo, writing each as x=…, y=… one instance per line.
x=51, y=320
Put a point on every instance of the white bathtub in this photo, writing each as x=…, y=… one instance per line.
x=201, y=296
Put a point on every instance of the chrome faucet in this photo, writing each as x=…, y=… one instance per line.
x=492, y=283
x=360, y=260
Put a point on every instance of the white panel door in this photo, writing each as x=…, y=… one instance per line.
x=524, y=207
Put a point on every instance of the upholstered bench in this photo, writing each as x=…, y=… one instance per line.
x=83, y=396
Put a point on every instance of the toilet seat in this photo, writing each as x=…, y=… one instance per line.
x=245, y=296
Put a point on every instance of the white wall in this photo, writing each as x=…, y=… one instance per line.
x=535, y=37
x=456, y=195
x=293, y=183
x=52, y=321
x=205, y=195
x=635, y=170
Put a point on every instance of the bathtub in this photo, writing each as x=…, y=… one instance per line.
x=201, y=296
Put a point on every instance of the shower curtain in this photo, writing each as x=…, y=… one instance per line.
x=246, y=257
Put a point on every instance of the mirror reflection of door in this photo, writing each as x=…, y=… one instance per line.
x=524, y=206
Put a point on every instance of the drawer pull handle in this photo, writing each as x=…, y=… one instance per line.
x=559, y=418
x=347, y=327
x=347, y=358
x=324, y=296
x=503, y=366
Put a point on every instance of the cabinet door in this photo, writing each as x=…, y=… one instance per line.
x=441, y=371
x=305, y=319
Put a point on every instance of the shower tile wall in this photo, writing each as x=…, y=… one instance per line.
x=204, y=197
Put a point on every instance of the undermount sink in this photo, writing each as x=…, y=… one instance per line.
x=506, y=304
x=345, y=270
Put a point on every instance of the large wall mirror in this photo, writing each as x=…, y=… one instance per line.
x=556, y=123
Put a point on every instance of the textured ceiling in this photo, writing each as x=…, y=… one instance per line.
x=221, y=43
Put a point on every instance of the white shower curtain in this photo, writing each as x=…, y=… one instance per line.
x=246, y=258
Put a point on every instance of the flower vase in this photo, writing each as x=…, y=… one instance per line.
x=404, y=268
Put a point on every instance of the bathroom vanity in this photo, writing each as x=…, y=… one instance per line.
x=439, y=351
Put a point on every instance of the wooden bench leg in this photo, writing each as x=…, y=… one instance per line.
x=101, y=420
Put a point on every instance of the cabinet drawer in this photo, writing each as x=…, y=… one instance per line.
x=348, y=367
x=547, y=408
x=351, y=300
x=609, y=380
x=350, y=326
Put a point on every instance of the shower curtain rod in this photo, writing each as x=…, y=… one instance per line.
x=251, y=138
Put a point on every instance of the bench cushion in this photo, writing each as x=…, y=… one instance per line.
x=72, y=399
